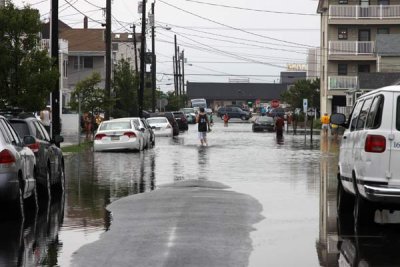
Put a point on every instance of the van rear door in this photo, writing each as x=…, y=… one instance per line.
x=394, y=144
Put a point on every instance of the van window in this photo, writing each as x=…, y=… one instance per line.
x=375, y=114
x=398, y=114
x=362, y=118
x=356, y=113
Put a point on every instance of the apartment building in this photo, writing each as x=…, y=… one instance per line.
x=357, y=37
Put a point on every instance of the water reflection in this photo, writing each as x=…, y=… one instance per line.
x=340, y=243
x=33, y=242
x=202, y=159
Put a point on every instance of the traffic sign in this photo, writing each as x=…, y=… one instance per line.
x=305, y=105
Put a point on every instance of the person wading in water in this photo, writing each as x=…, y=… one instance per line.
x=203, y=126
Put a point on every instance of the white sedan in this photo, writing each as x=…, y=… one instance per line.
x=161, y=126
x=119, y=134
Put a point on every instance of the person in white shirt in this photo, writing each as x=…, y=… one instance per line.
x=45, y=117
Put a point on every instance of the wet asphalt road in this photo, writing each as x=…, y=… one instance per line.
x=286, y=192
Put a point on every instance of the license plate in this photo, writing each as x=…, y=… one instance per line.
x=158, y=128
x=114, y=138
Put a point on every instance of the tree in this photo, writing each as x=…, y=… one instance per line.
x=125, y=86
x=92, y=97
x=175, y=102
x=27, y=75
x=303, y=89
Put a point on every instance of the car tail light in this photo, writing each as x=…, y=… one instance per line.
x=130, y=134
x=183, y=118
x=99, y=136
x=375, y=144
x=34, y=147
x=6, y=157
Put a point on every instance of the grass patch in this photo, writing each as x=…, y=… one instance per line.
x=77, y=148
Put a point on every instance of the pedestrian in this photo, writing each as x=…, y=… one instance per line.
x=203, y=126
x=325, y=123
x=334, y=130
x=226, y=119
x=279, y=124
x=45, y=117
x=87, y=119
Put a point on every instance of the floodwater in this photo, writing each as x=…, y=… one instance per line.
x=294, y=180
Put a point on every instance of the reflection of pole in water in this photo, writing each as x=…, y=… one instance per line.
x=152, y=172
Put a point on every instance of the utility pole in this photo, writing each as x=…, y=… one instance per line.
x=153, y=63
x=142, y=58
x=108, y=57
x=134, y=47
x=183, y=71
x=179, y=72
x=176, y=67
x=55, y=95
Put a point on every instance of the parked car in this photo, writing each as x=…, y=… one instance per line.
x=181, y=120
x=17, y=167
x=234, y=112
x=121, y=134
x=171, y=120
x=190, y=115
x=369, y=169
x=263, y=123
x=49, y=157
x=161, y=126
x=152, y=137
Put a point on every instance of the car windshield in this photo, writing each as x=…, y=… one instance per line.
x=115, y=125
x=21, y=127
x=157, y=120
x=265, y=119
x=188, y=110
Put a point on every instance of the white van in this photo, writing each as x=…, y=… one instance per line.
x=369, y=159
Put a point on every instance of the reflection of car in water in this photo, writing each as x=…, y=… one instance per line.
x=375, y=245
x=33, y=242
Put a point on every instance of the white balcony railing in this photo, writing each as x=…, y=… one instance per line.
x=351, y=48
x=342, y=82
x=364, y=12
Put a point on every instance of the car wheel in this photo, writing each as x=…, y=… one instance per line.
x=344, y=200
x=243, y=117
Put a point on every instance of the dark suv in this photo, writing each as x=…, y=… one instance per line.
x=180, y=118
x=234, y=112
x=49, y=158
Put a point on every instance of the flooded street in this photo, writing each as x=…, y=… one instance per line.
x=294, y=181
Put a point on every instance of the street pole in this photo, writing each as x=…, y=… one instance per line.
x=153, y=63
x=142, y=59
x=108, y=58
x=55, y=95
x=174, y=71
x=134, y=47
x=176, y=67
x=179, y=72
x=183, y=70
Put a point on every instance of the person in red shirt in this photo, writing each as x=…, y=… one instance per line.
x=226, y=119
x=279, y=124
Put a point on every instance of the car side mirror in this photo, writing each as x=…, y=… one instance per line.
x=29, y=140
x=58, y=139
x=338, y=119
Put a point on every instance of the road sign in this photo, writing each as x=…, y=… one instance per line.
x=305, y=105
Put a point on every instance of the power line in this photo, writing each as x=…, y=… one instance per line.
x=253, y=9
x=99, y=22
x=238, y=29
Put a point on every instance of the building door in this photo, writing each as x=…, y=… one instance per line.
x=364, y=8
x=364, y=38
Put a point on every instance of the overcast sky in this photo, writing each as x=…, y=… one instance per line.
x=222, y=39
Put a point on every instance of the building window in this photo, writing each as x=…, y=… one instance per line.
x=383, y=31
x=343, y=2
x=65, y=69
x=364, y=68
x=87, y=62
x=342, y=69
x=342, y=33
x=75, y=61
x=384, y=2
x=115, y=46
